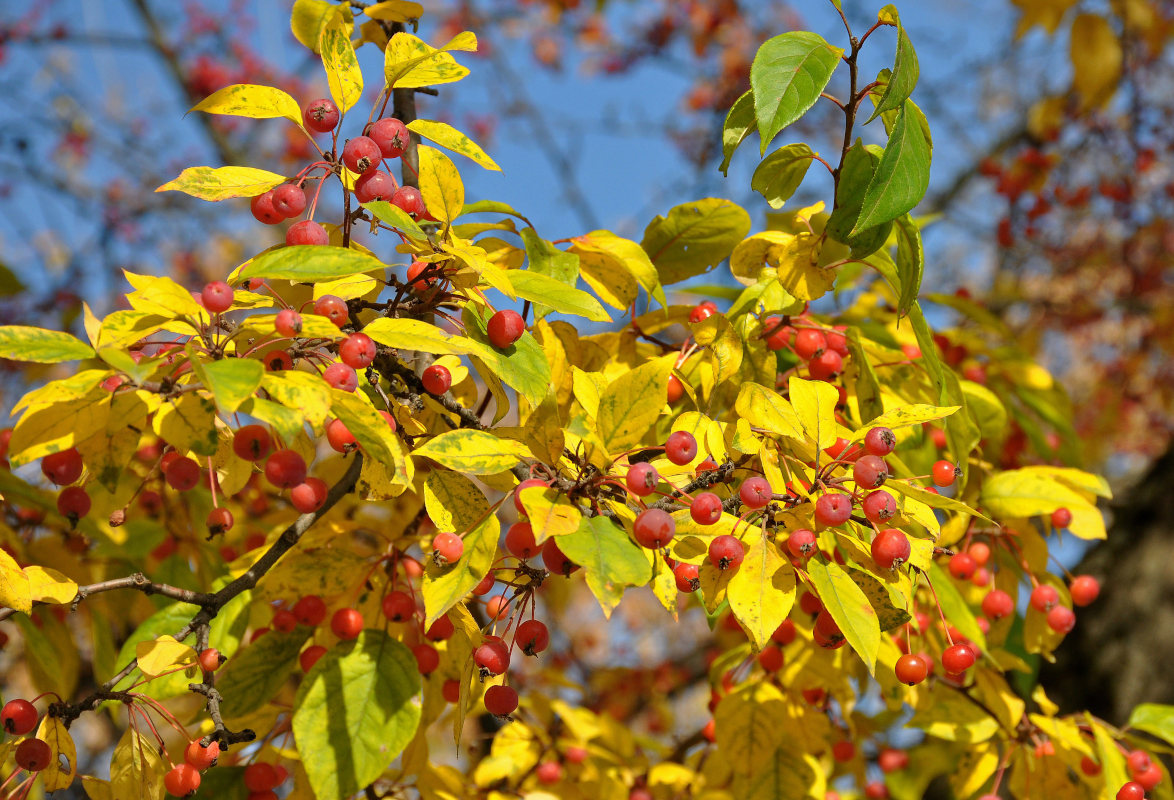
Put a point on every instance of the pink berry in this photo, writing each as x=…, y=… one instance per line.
x=288, y=323
x=409, y=200
x=879, y=506
x=357, y=351
x=755, y=492
x=217, y=297
x=1044, y=597
x=997, y=604
x=333, y=308
x=1061, y=619
x=879, y=441
x=641, y=479
x=374, y=185
x=801, y=543
x=890, y=548
x=870, y=472
x=289, y=200
x=306, y=232
x=447, y=547
x=340, y=376
x=681, y=447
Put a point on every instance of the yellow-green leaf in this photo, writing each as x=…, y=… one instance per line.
x=343, y=75
x=137, y=768
x=549, y=512
x=762, y=591
x=222, y=183
x=749, y=726
x=52, y=428
x=718, y=335
x=409, y=62
x=447, y=136
x=473, y=452
x=414, y=334
x=904, y=416
x=188, y=424
x=444, y=587
x=163, y=655
x=1022, y=493
x=815, y=406
x=797, y=264
x=24, y=343
x=251, y=100
x=764, y=408
x=309, y=263
x=849, y=607
x=602, y=251
x=374, y=436
x=631, y=403
x=610, y=559
x=161, y=296
x=232, y=381
x=47, y=585
x=564, y=299
x=62, y=768
x=309, y=17
x=933, y=500
x=440, y=184
x=306, y=394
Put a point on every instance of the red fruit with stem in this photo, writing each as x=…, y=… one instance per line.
x=1061, y=619
x=339, y=437
x=755, y=492
x=485, y=585
x=415, y=270
x=681, y=447
x=182, y=474
x=879, y=507
x=706, y=508
x=687, y=577
x=375, y=185
x=309, y=657
x=726, y=552
x=870, y=472
x=555, y=559
x=447, y=547
x=391, y=135
x=310, y=610
x=357, y=351
x=264, y=210
x=1061, y=518
x=63, y=467
x=18, y=717
x=833, y=509
x=702, y=311
x=958, y=658
x=801, y=543
x=436, y=379
x=504, y=328
x=809, y=343
x=320, y=116
x=441, y=630
x=201, y=757
x=306, y=232
x=879, y=441
x=501, y=701
x=361, y=155
x=288, y=323
x=1084, y=590
x=1131, y=791
x=654, y=528
x=399, y=606
x=497, y=606
x=962, y=566
x=73, y=503
x=837, y=341
x=409, y=200
x=347, y=623
x=219, y=520
x=826, y=365
x=1043, y=597
x=285, y=469
x=427, y=659
x=333, y=308
x=492, y=656
x=778, y=336
x=519, y=540
x=308, y=496
x=261, y=777
x=252, y=442
x=676, y=389
x=997, y=604
x=340, y=376
x=532, y=637
x=944, y=473
x=911, y=670
x=217, y=297
x=289, y=200
x=641, y=479
x=827, y=631
x=809, y=603
x=182, y=780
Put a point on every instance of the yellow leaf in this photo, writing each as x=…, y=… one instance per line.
x=473, y=452
x=549, y=512
x=222, y=183
x=447, y=136
x=631, y=403
x=602, y=252
x=797, y=262
x=414, y=334
x=748, y=726
x=163, y=655
x=50, y=586
x=762, y=591
x=313, y=326
x=849, y=607
x=1097, y=57
x=343, y=75
x=136, y=768
x=975, y=767
x=302, y=392
x=440, y=184
x=15, y=586
x=309, y=17
x=188, y=424
x=904, y=416
x=394, y=11
x=1015, y=494
x=62, y=766
x=52, y=428
x=96, y=788
x=716, y=333
x=454, y=503
x=764, y=408
x=251, y=100
x=1046, y=13
x=815, y=406
x=161, y=296
x=409, y=62
x=371, y=431
x=955, y=718
x=748, y=260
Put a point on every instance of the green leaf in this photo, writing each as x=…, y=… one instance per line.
x=849, y=607
x=787, y=76
x=446, y=586
x=232, y=381
x=396, y=217
x=740, y=121
x=954, y=605
x=354, y=713
x=547, y=259
x=473, y=452
x=254, y=675
x=610, y=559
x=447, y=136
x=694, y=237
x=1154, y=719
x=24, y=343
x=901, y=177
x=222, y=183
x=309, y=263
x=905, y=68
x=855, y=176
x=564, y=299
x=779, y=174
x=491, y=207
x=868, y=392
x=523, y=367
x=910, y=261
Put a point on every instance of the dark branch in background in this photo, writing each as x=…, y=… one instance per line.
x=403, y=106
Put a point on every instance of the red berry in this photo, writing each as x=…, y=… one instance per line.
x=706, y=508
x=526, y=484
x=519, y=540
x=676, y=389
x=1043, y=597
x=962, y=566
x=879, y=506
x=785, y=633
x=374, y=185
x=391, y=135
x=843, y=750
x=217, y=297
x=555, y=559
x=910, y=669
x=333, y=308
x=549, y=772
x=492, y=656
x=284, y=621
x=436, y=379
x=826, y=631
x=310, y=610
x=687, y=577
x=289, y=200
x=285, y=469
x=219, y=520
x=840, y=451
x=870, y=472
x=409, y=200
x=801, y=543
x=1061, y=518
x=641, y=479
x=339, y=437
x=261, y=777
x=361, y=155
x=357, y=351
x=451, y=691
x=201, y=757
x=809, y=603
x=1061, y=619
x=1150, y=778
x=826, y=365
x=681, y=447
x=182, y=780
x=833, y=509
x=497, y=606
x=532, y=637
x=980, y=552
x=1138, y=761
x=309, y=657
x=399, y=606
x=755, y=492
x=997, y=604
x=182, y=474
x=427, y=659
x=18, y=717
x=892, y=760
x=340, y=376
x=64, y=467
x=347, y=623
x=809, y=343
x=288, y=323
x=958, y=658
x=944, y=473
x=1131, y=791
x=1084, y=590
x=308, y=496
x=252, y=443
x=306, y=232
x=501, y=700
x=879, y=441
x=1089, y=767
x=505, y=328
x=726, y=552
x=73, y=503
x=440, y=630
x=654, y=528
x=447, y=547
x=778, y=336
x=771, y=659
x=264, y=210
x=485, y=585
x=320, y=116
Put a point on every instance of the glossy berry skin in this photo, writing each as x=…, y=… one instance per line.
x=870, y=472
x=440, y=630
x=702, y=311
x=182, y=780
x=526, y=484
x=555, y=560
x=320, y=116
x=809, y=343
x=1149, y=778
x=375, y=185
x=726, y=552
x=201, y=757
x=519, y=540
x=1084, y=590
x=436, y=379
x=308, y=496
x=391, y=135
x=801, y=543
x=361, y=155
x=681, y=447
x=501, y=701
x=263, y=209
x=310, y=610
x=427, y=659
x=217, y=297
x=341, y=376
x=980, y=552
x=306, y=232
x=1061, y=518
x=182, y=474
x=826, y=365
x=252, y=442
x=1089, y=767
x=890, y=548
x=492, y=656
x=1044, y=597
x=833, y=509
x=18, y=717
x=997, y=604
x=706, y=508
x=399, y=606
x=654, y=528
x=504, y=328
x=219, y=520
x=409, y=200
x=879, y=441
x=309, y=657
x=1138, y=761
x=944, y=473
x=289, y=200
x=879, y=506
x=447, y=547
x=962, y=566
x=687, y=577
x=333, y=308
x=347, y=623
x=676, y=389
x=62, y=468
x=755, y=492
x=958, y=658
x=910, y=669
x=778, y=336
x=288, y=323
x=1131, y=791
x=357, y=351
x=415, y=270
x=261, y=777
x=339, y=437
x=641, y=479
x=285, y=469
x=532, y=636
x=73, y=503
x=1061, y=619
